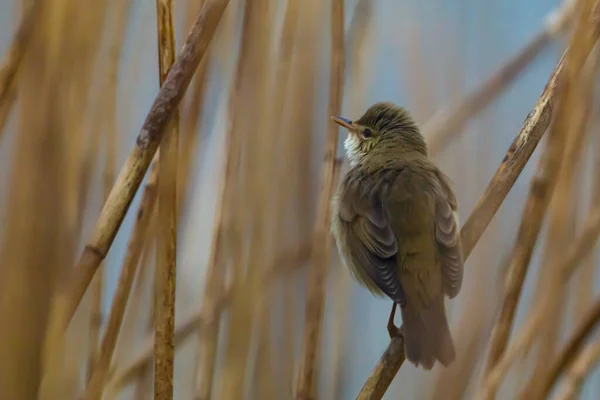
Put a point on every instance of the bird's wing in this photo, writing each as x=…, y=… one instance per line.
x=447, y=236
x=370, y=238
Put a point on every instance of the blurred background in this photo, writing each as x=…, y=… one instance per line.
x=259, y=101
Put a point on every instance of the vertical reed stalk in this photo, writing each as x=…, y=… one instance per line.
x=311, y=336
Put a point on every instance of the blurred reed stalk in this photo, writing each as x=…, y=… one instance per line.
x=445, y=125
x=215, y=274
x=198, y=321
x=11, y=64
x=49, y=142
x=359, y=49
x=453, y=382
x=566, y=266
x=586, y=278
x=580, y=368
x=541, y=190
x=509, y=170
x=253, y=201
x=568, y=128
x=566, y=355
x=104, y=123
x=311, y=336
x=132, y=173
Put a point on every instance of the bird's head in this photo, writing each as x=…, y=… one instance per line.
x=384, y=132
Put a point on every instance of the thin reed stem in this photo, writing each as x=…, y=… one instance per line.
x=198, y=321
x=446, y=124
x=567, y=354
x=566, y=266
x=311, y=336
x=538, y=201
x=132, y=173
x=10, y=65
x=120, y=298
x=166, y=245
x=507, y=173
x=580, y=368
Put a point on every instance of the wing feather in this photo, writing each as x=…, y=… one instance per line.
x=371, y=242
x=447, y=235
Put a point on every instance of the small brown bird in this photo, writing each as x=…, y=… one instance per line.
x=396, y=228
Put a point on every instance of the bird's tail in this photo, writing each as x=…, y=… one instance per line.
x=427, y=335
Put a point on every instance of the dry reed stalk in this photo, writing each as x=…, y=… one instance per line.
x=11, y=96
x=251, y=219
x=445, y=125
x=189, y=123
x=293, y=92
x=541, y=188
x=143, y=386
x=568, y=128
x=121, y=377
x=147, y=142
x=566, y=355
x=507, y=173
x=311, y=335
x=80, y=45
x=359, y=49
x=420, y=86
x=474, y=324
x=215, y=275
x=121, y=295
x=38, y=173
x=585, y=285
x=105, y=123
x=566, y=266
x=166, y=244
x=12, y=61
x=580, y=368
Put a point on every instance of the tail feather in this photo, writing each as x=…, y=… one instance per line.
x=427, y=335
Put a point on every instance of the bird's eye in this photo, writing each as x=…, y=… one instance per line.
x=367, y=133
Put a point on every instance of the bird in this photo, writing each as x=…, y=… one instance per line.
x=395, y=224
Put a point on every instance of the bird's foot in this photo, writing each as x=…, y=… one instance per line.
x=393, y=330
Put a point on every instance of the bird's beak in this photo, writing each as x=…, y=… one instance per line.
x=345, y=122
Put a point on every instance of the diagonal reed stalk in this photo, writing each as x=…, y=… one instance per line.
x=569, y=128
x=540, y=192
x=10, y=65
x=132, y=173
x=253, y=200
x=580, y=368
x=215, y=275
x=119, y=302
x=311, y=336
x=105, y=123
x=446, y=124
x=567, y=265
x=567, y=354
x=201, y=319
x=507, y=173
x=207, y=348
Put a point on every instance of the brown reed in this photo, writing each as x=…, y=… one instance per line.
x=132, y=173
x=166, y=254
x=538, y=201
x=517, y=156
x=306, y=381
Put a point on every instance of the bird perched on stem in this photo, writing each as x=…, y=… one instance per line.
x=396, y=228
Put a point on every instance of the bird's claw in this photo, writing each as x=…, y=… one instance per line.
x=393, y=330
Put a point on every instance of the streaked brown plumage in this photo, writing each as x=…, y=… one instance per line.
x=395, y=224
